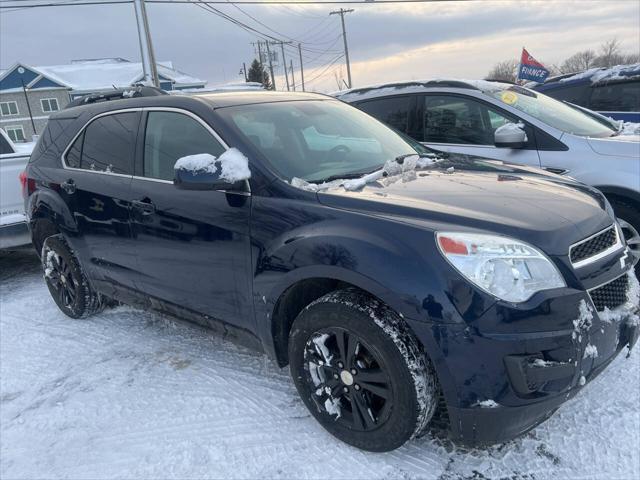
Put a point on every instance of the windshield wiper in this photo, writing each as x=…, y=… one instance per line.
x=345, y=176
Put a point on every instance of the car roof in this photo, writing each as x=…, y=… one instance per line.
x=416, y=86
x=214, y=100
x=619, y=73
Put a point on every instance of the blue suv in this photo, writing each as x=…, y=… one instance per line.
x=396, y=283
x=613, y=92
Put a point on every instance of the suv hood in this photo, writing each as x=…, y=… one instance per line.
x=622, y=145
x=466, y=193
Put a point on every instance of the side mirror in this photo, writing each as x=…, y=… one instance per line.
x=204, y=171
x=510, y=135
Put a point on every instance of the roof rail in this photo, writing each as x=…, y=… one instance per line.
x=426, y=84
x=135, y=91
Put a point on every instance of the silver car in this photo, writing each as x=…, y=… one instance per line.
x=507, y=122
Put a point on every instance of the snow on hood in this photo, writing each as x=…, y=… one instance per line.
x=629, y=129
x=599, y=75
x=234, y=166
x=392, y=170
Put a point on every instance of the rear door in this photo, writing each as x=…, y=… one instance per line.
x=98, y=168
x=192, y=247
x=462, y=124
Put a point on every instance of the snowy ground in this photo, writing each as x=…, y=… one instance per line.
x=129, y=394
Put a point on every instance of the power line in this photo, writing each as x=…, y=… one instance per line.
x=342, y=12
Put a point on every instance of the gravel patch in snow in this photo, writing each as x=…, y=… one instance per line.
x=131, y=394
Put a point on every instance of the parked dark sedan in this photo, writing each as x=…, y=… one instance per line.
x=393, y=281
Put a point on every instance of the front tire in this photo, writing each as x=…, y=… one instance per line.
x=66, y=281
x=360, y=371
x=629, y=220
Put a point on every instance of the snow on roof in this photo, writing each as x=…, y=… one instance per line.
x=103, y=74
x=226, y=87
x=416, y=86
x=598, y=75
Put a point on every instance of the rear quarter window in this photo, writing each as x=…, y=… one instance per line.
x=107, y=144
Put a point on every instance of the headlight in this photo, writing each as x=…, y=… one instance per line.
x=504, y=267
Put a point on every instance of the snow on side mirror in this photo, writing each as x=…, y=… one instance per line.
x=203, y=171
x=510, y=135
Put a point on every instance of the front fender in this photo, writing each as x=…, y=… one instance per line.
x=396, y=262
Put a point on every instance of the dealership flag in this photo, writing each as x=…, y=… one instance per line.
x=531, y=69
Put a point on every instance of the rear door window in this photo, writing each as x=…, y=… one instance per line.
x=393, y=111
x=170, y=136
x=106, y=145
x=617, y=97
x=578, y=94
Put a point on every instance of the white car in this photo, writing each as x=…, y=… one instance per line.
x=514, y=124
x=13, y=225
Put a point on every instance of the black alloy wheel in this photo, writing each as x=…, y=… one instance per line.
x=349, y=379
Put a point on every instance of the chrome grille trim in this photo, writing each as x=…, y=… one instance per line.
x=600, y=255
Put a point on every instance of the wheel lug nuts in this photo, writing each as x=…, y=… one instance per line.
x=340, y=365
x=335, y=375
x=345, y=389
x=353, y=371
x=357, y=387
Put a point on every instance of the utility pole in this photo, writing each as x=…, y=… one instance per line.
x=342, y=12
x=244, y=70
x=293, y=80
x=26, y=99
x=301, y=67
x=260, y=54
x=273, y=79
x=149, y=67
x=284, y=64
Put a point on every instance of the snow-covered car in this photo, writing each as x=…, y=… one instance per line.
x=478, y=117
x=13, y=224
x=613, y=92
x=392, y=281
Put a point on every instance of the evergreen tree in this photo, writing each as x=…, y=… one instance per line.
x=257, y=73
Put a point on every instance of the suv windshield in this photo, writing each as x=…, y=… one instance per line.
x=552, y=112
x=317, y=139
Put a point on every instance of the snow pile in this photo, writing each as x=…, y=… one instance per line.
x=391, y=172
x=583, y=322
x=487, y=404
x=511, y=128
x=625, y=311
x=590, y=351
x=233, y=165
x=600, y=75
x=628, y=128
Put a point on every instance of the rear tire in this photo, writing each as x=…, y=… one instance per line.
x=67, y=283
x=360, y=371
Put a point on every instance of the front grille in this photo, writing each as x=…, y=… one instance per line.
x=593, y=245
x=610, y=295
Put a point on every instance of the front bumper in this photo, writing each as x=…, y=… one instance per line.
x=14, y=235
x=501, y=376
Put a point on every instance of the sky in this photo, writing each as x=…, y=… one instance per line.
x=386, y=42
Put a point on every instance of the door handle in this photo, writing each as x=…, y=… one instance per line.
x=69, y=186
x=145, y=207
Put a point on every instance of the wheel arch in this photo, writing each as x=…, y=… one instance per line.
x=621, y=193
x=303, y=286
x=48, y=215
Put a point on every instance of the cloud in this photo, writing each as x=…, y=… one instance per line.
x=387, y=42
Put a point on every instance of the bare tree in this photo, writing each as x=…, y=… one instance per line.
x=578, y=61
x=506, y=70
x=610, y=54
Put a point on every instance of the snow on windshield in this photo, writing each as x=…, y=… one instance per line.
x=391, y=172
x=234, y=166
